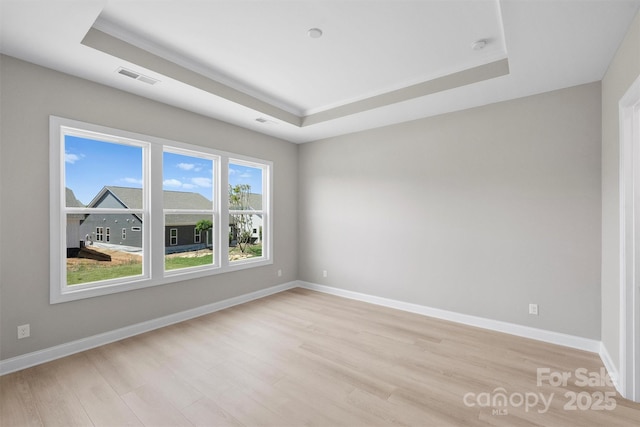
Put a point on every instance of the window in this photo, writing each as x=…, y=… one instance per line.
x=189, y=179
x=173, y=236
x=163, y=192
x=247, y=211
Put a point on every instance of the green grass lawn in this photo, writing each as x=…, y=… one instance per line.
x=174, y=263
x=93, y=273
x=250, y=252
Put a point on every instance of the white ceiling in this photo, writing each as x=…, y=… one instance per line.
x=377, y=63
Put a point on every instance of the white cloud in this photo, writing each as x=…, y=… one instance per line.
x=186, y=166
x=172, y=183
x=133, y=181
x=189, y=186
x=245, y=175
x=201, y=182
x=71, y=158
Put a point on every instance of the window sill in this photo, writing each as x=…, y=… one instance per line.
x=174, y=276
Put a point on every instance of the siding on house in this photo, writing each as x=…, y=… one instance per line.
x=95, y=225
x=73, y=222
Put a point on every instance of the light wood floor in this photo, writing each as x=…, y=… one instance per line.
x=305, y=358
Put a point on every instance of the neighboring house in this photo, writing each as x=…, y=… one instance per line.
x=255, y=203
x=74, y=236
x=126, y=229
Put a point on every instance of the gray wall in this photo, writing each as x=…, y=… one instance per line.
x=622, y=72
x=29, y=95
x=480, y=212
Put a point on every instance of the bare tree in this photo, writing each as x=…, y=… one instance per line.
x=242, y=223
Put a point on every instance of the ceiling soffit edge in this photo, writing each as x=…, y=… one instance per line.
x=114, y=46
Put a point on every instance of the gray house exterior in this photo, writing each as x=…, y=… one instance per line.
x=126, y=229
x=74, y=236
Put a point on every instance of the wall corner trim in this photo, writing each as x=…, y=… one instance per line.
x=610, y=367
x=48, y=354
x=558, y=338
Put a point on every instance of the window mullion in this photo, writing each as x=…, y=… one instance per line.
x=223, y=200
x=156, y=213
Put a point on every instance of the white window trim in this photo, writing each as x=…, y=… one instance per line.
x=267, y=186
x=153, y=231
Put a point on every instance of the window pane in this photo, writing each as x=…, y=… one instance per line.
x=90, y=258
x=245, y=236
x=102, y=174
x=187, y=181
x=245, y=187
x=188, y=240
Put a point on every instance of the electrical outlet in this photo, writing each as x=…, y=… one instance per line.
x=24, y=331
x=533, y=309
x=279, y=273
x=324, y=273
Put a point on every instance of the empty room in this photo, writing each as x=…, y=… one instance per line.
x=319, y=212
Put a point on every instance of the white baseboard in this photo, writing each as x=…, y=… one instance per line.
x=566, y=340
x=610, y=367
x=37, y=357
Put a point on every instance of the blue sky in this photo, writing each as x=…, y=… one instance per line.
x=188, y=174
x=91, y=164
x=246, y=175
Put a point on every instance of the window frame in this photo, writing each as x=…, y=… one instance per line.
x=266, y=217
x=173, y=237
x=152, y=213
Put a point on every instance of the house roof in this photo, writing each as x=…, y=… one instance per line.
x=71, y=201
x=255, y=202
x=181, y=200
x=132, y=198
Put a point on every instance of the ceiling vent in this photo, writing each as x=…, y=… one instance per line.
x=137, y=76
x=266, y=121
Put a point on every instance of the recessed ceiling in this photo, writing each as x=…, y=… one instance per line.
x=262, y=47
x=376, y=63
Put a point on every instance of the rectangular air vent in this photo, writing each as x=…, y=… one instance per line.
x=137, y=76
x=266, y=121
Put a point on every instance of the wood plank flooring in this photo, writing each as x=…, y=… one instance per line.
x=302, y=358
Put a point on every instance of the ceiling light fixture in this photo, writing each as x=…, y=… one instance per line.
x=478, y=44
x=315, y=33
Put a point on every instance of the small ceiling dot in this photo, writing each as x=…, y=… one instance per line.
x=479, y=44
x=315, y=33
